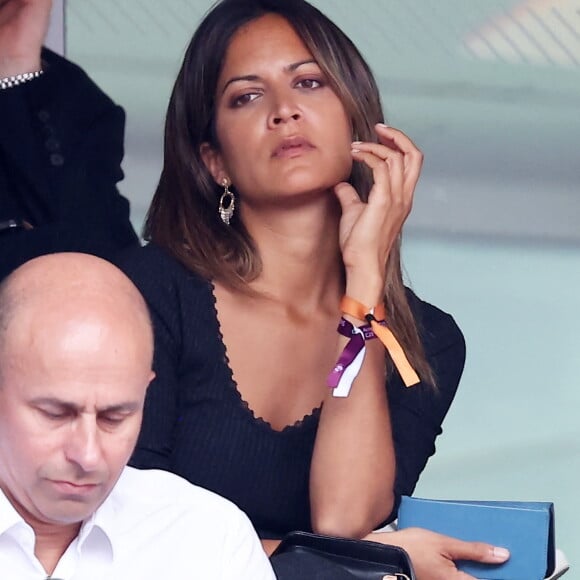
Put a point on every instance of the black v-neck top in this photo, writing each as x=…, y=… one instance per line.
x=197, y=425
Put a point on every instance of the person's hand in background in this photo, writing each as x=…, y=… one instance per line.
x=23, y=26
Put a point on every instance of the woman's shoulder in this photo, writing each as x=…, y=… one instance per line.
x=158, y=274
x=150, y=261
x=438, y=329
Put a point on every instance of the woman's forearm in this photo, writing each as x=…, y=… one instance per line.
x=270, y=545
x=353, y=465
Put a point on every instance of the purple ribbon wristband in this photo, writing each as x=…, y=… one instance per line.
x=348, y=365
x=347, y=357
x=347, y=329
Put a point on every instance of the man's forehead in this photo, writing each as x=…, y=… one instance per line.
x=87, y=350
x=80, y=387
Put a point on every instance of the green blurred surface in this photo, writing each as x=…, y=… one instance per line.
x=513, y=431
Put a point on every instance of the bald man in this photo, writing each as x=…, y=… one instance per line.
x=76, y=353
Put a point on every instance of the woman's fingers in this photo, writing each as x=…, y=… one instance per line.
x=397, y=137
x=413, y=158
x=352, y=207
x=405, y=166
x=434, y=555
x=476, y=551
x=369, y=230
x=346, y=194
x=381, y=173
x=378, y=222
x=400, y=153
x=392, y=157
x=388, y=190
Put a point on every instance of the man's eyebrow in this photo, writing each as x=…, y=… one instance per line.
x=128, y=407
x=289, y=68
x=125, y=407
x=54, y=402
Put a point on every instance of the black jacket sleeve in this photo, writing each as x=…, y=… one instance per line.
x=61, y=147
x=418, y=412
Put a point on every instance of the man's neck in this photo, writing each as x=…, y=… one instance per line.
x=52, y=542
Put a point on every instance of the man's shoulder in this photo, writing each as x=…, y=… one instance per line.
x=193, y=530
x=155, y=490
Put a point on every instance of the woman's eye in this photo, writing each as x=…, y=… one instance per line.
x=242, y=100
x=309, y=84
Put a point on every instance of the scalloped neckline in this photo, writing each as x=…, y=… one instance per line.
x=306, y=421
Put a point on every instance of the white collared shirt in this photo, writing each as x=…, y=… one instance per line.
x=153, y=525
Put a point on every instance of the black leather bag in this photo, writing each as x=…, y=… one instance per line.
x=363, y=560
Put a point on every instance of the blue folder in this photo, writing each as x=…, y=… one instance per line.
x=526, y=529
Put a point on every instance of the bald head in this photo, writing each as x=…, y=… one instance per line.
x=76, y=351
x=51, y=292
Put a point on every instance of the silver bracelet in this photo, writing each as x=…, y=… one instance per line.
x=15, y=80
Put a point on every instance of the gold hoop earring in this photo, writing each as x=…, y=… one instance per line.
x=227, y=204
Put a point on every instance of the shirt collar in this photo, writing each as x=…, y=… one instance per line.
x=103, y=519
x=9, y=517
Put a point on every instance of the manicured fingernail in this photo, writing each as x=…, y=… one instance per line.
x=383, y=125
x=353, y=150
x=501, y=554
x=356, y=143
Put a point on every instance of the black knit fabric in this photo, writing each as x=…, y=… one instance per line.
x=196, y=424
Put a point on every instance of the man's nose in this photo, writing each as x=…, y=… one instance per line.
x=84, y=444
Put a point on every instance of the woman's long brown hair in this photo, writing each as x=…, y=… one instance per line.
x=183, y=216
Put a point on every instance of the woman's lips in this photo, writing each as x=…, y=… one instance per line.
x=292, y=147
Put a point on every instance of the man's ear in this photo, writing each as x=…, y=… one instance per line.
x=151, y=377
x=213, y=162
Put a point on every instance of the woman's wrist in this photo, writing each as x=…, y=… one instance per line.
x=369, y=292
x=270, y=545
x=17, y=66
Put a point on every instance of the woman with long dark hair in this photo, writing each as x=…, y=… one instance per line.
x=277, y=219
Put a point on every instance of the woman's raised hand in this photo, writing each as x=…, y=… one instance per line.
x=369, y=230
x=434, y=555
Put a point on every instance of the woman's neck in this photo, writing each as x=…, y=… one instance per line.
x=301, y=259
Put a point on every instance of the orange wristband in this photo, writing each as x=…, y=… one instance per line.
x=355, y=308
x=373, y=315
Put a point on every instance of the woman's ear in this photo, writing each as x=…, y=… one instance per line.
x=213, y=162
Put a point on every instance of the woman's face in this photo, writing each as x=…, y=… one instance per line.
x=282, y=130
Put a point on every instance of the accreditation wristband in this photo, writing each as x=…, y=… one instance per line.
x=349, y=363
x=373, y=316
